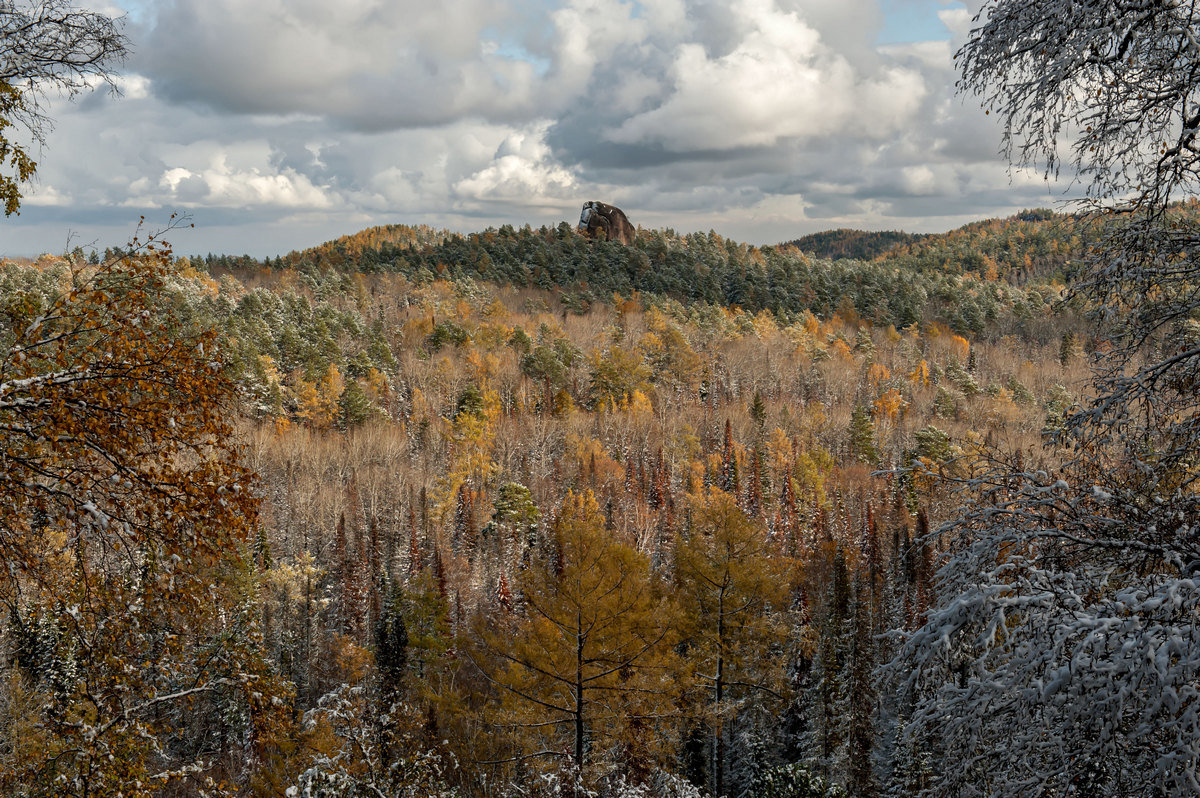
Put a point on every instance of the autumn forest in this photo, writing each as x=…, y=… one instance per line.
x=529, y=513
x=515, y=513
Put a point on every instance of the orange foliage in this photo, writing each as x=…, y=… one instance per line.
x=889, y=405
x=126, y=513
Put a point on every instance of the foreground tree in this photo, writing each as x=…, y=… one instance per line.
x=732, y=594
x=130, y=609
x=1063, y=655
x=579, y=668
x=46, y=46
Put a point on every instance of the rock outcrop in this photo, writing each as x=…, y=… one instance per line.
x=599, y=220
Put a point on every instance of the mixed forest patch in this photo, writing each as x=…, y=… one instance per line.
x=539, y=515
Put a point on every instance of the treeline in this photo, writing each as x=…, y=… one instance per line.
x=845, y=243
x=949, y=282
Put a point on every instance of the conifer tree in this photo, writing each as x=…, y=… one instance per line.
x=862, y=436
x=584, y=659
x=731, y=593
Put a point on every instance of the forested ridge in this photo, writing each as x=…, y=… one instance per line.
x=954, y=278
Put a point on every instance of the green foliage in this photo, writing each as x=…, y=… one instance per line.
x=944, y=403
x=961, y=378
x=12, y=155
x=1021, y=394
x=514, y=505
x=1067, y=348
x=862, y=436
x=616, y=373
x=520, y=341
x=446, y=332
x=932, y=443
x=354, y=408
x=922, y=279
x=791, y=781
x=864, y=344
x=1058, y=403
x=545, y=365
x=469, y=402
x=853, y=244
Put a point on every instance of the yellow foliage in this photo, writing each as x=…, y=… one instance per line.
x=779, y=450
x=841, y=350
x=417, y=329
x=377, y=387
x=961, y=346
x=889, y=405
x=637, y=404
x=920, y=375
x=207, y=284
x=493, y=407
x=495, y=310
x=878, y=373
x=308, y=401
x=765, y=326
x=421, y=408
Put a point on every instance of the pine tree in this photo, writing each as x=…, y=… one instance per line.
x=862, y=436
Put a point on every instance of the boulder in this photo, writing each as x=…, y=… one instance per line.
x=598, y=220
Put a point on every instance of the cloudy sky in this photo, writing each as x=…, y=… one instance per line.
x=278, y=124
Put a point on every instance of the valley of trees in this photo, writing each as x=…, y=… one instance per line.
x=511, y=540
x=415, y=513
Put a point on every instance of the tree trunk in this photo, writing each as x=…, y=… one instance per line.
x=719, y=692
x=579, y=696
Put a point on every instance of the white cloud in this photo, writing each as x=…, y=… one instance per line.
x=588, y=33
x=521, y=173
x=44, y=195
x=780, y=82
x=957, y=20
x=133, y=86
x=278, y=123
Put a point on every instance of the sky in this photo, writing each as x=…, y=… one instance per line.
x=274, y=125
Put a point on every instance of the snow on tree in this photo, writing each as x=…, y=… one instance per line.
x=1062, y=655
x=125, y=530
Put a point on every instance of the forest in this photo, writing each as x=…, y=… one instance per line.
x=518, y=513
x=510, y=539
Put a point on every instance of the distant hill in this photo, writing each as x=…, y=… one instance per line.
x=965, y=279
x=853, y=244
x=1030, y=246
